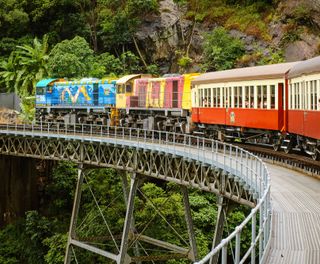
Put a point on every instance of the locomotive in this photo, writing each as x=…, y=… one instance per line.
x=89, y=100
x=277, y=105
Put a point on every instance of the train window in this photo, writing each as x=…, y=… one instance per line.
x=302, y=93
x=264, y=95
x=249, y=95
x=237, y=96
x=218, y=97
x=214, y=97
x=290, y=96
x=272, y=96
x=41, y=90
x=296, y=96
x=205, y=98
x=208, y=96
x=260, y=96
x=201, y=98
x=228, y=97
x=120, y=88
x=128, y=88
x=252, y=96
x=314, y=95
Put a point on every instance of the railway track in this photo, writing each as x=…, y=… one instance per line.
x=293, y=161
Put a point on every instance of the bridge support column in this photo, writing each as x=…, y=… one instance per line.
x=223, y=209
x=74, y=216
x=123, y=257
x=127, y=196
x=193, y=255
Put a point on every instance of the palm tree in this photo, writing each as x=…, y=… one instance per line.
x=8, y=73
x=32, y=65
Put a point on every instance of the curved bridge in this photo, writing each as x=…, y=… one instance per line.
x=225, y=170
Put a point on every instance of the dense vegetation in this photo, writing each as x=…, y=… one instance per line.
x=97, y=38
x=41, y=236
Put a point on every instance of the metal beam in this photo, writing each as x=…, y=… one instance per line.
x=74, y=216
x=193, y=245
x=123, y=257
x=160, y=243
x=125, y=188
x=218, y=232
x=94, y=249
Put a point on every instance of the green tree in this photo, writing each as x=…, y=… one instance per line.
x=8, y=73
x=90, y=11
x=221, y=50
x=57, y=246
x=71, y=58
x=14, y=20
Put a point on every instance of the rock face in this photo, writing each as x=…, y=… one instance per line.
x=163, y=37
x=307, y=44
x=303, y=49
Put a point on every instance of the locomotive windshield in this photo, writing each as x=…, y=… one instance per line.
x=120, y=88
x=41, y=90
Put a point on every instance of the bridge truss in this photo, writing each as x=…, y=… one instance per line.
x=227, y=171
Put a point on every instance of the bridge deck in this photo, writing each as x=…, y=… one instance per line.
x=296, y=217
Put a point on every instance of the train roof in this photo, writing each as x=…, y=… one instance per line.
x=45, y=82
x=127, y=78
x=305, y=67
x=84, y=81
x=273, y=71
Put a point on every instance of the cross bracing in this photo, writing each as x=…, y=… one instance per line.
x=208, y=165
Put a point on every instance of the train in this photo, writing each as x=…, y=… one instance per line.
x=276, y=105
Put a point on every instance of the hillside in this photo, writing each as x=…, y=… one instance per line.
x=270, y=30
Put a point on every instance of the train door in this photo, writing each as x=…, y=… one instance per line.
x=175, y=94
x=95, y=94
x=281, y=107
x=304, y=95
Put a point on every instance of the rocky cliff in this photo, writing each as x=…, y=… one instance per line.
x=292, y=26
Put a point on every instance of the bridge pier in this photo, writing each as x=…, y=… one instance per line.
x=193, y=255
x=74, y=215
x=224, y=207
x=18, y=187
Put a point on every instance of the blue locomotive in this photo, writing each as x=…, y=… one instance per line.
x=89, y=100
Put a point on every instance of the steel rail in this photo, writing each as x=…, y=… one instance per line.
x=241, y=165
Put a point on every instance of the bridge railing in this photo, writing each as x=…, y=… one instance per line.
x=240, y=164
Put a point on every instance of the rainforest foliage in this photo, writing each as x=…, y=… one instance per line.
x=96, y=38
x=159, y=212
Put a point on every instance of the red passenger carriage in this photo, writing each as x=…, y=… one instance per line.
x=244, y=104
x=304, y=107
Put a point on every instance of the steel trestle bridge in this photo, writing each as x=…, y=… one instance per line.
x=230, y=172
